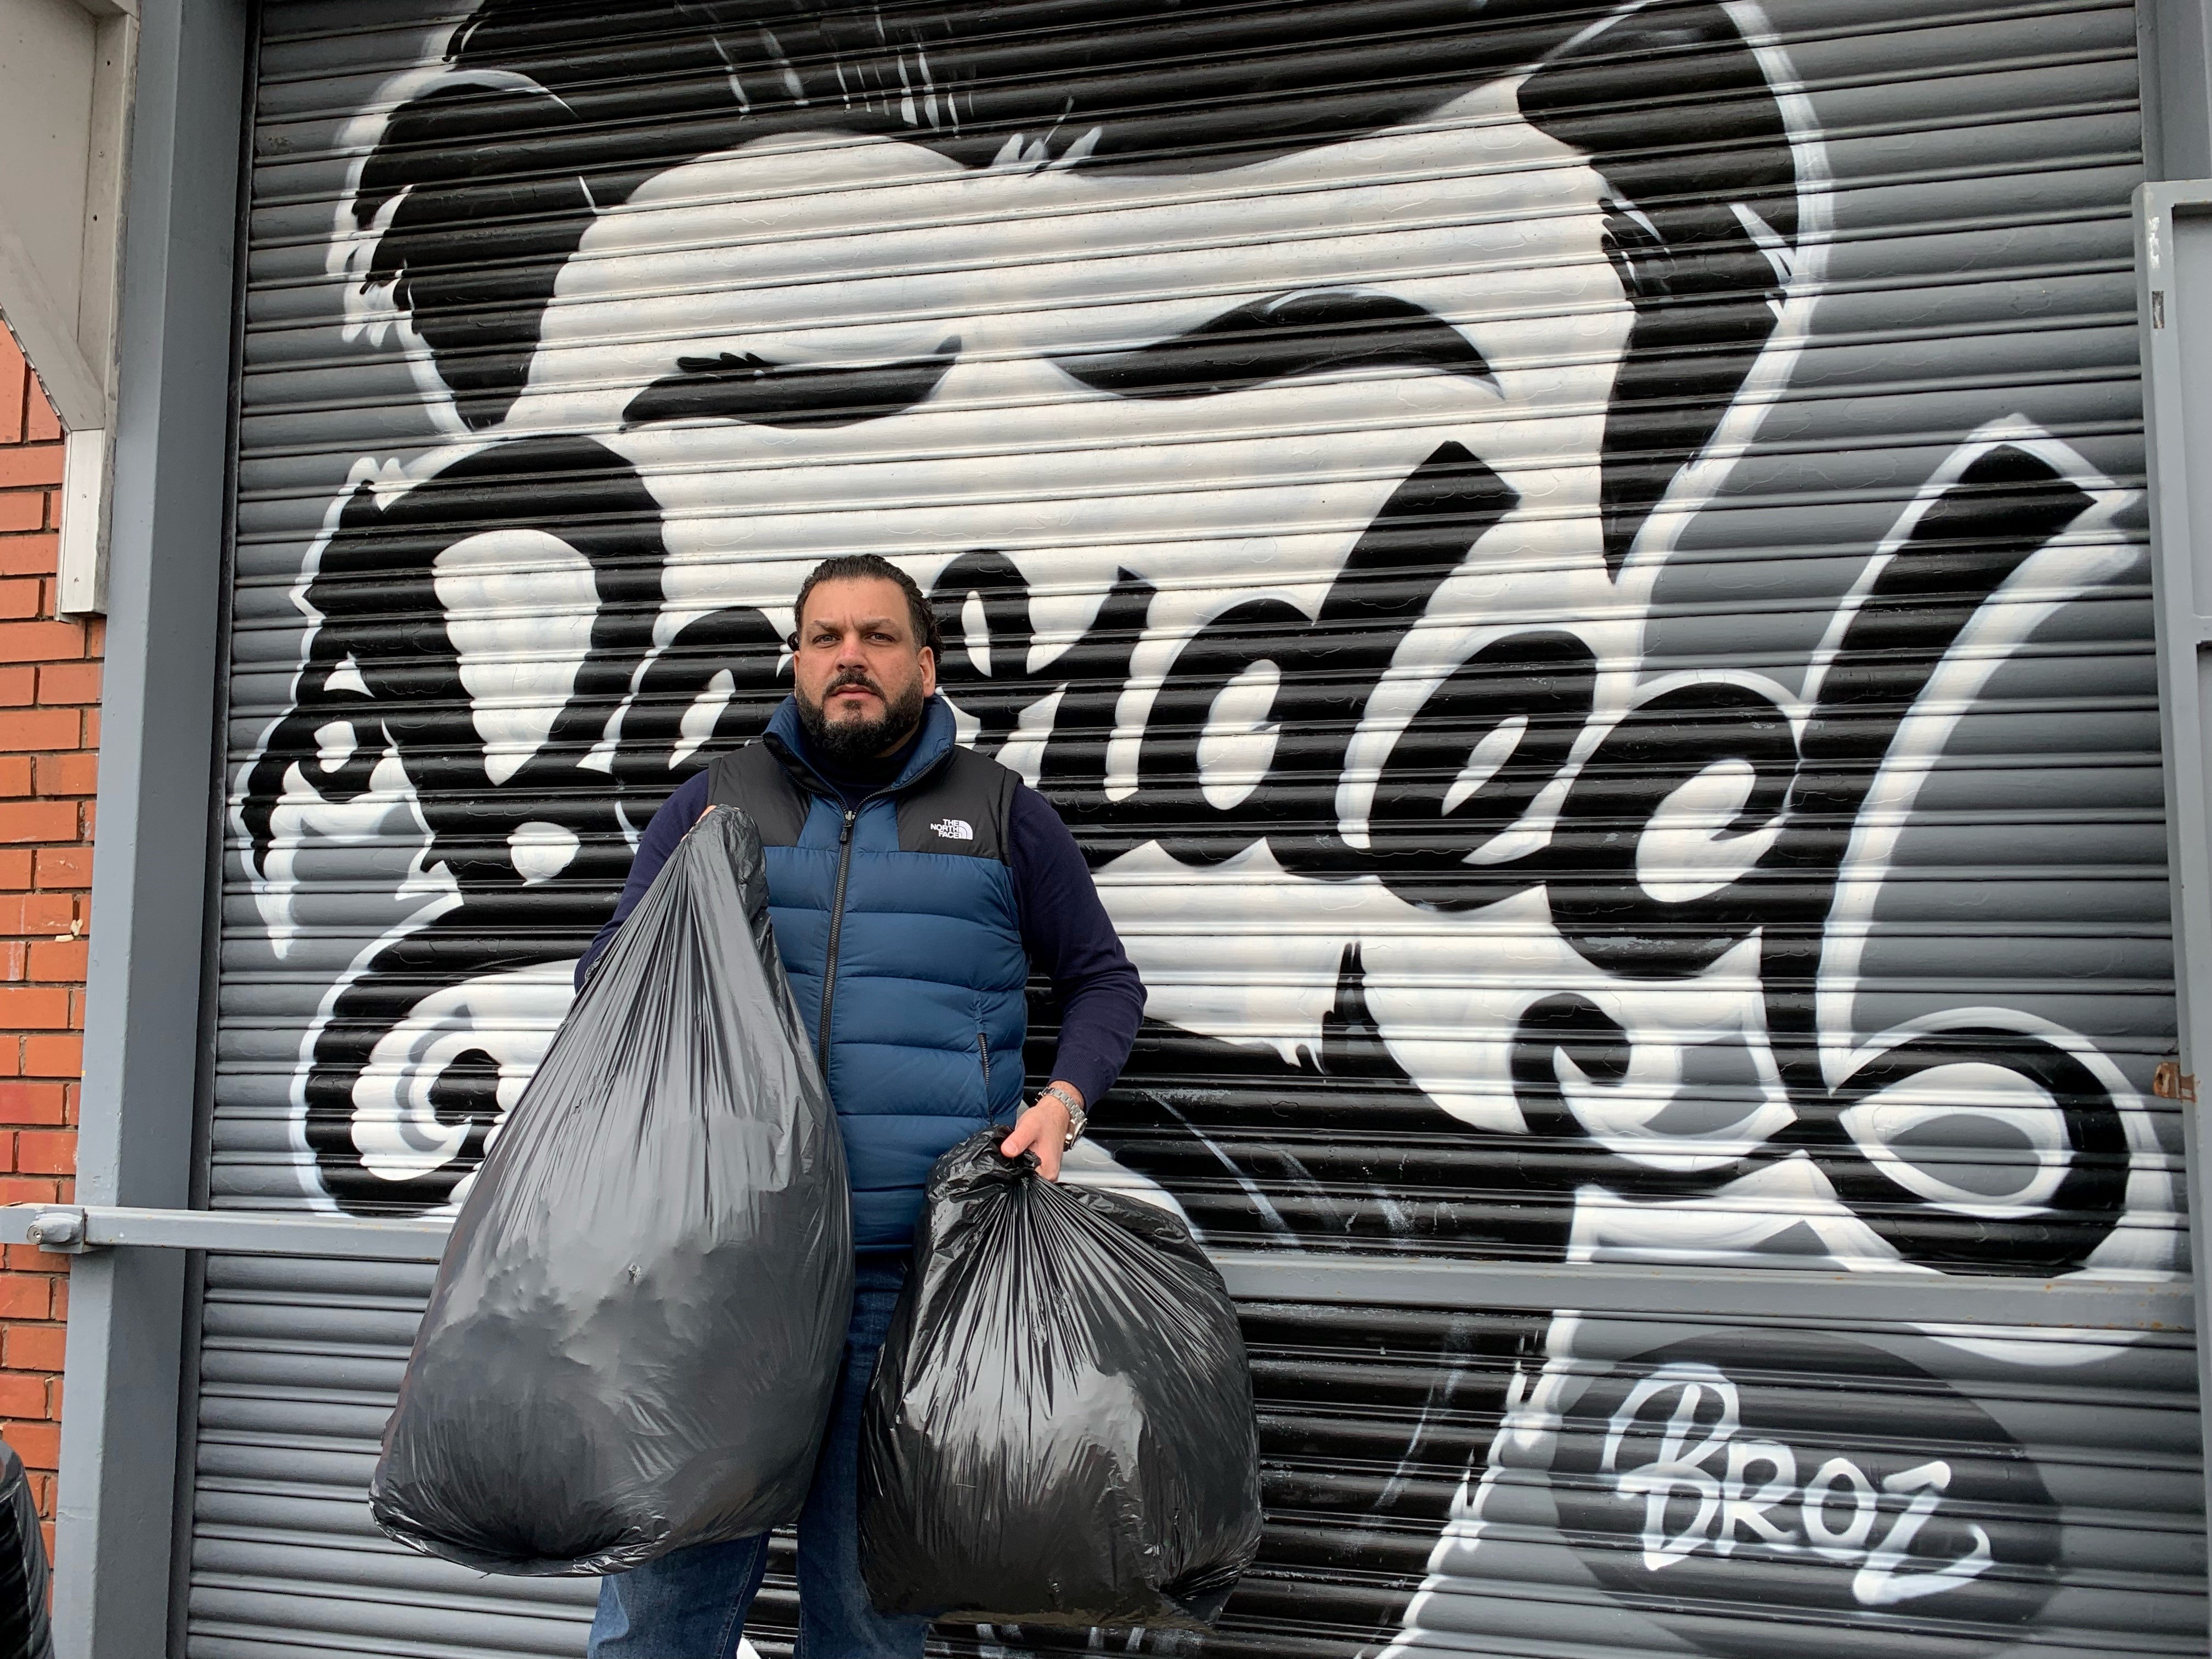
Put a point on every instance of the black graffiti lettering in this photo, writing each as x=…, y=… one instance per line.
x=1073, y=773
x=1327, y=668
x=721, y=668
x=1188, y=825
x=2004, y=506
x=1483, y=747
x=995, y=690
x=1576, y=1029
x=466, y=1093
x=1419, y=838
x=1424, y=533
x=1599, y=901
x=379, y=565
x=1773, y=863
x=384, y=627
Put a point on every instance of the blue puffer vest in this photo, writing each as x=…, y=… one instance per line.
x=898, y=926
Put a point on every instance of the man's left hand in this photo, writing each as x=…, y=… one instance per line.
x=1043, y=1129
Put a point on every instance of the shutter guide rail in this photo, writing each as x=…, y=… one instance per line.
x=2173, y=276
x=1287, y=1276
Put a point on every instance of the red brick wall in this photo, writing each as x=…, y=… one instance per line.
x=49, y=734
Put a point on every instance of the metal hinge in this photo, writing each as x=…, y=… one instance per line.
x=2170, y=1082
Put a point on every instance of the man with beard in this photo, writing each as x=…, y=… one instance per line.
x=912, y=883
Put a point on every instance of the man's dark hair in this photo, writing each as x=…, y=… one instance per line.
x=871, y=567
x=485, y=178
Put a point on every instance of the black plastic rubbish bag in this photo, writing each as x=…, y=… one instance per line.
x=25, y=1631
x=635, y=1332
x=1059, y=1431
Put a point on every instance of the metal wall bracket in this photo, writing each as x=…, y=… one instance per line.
x=60, y=1230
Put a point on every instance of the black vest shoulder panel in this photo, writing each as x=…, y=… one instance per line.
x=753, y=779
x=965, y=807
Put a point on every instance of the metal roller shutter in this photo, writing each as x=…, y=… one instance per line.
x=1578, y=572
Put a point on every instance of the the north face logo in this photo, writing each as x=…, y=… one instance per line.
x=954, y=829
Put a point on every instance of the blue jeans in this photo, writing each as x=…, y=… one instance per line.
x=691, y=1603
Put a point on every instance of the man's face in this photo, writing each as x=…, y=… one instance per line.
x=825, y=343
x=861, y=674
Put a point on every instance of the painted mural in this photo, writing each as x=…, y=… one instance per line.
x=1308, y=454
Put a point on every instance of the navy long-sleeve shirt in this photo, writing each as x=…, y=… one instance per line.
x=1064, y=929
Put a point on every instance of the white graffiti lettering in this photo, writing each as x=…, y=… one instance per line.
x=1700, y=1466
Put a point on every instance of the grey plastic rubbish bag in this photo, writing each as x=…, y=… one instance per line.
x=635, y=1330
x=1060, y=1429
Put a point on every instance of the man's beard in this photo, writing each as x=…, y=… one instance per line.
x=849, y=742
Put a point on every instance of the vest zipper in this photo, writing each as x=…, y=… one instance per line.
x=837, y=928
x=808, y=780
x=983, y=1048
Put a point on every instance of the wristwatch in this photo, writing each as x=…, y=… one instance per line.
x=1077, y=1117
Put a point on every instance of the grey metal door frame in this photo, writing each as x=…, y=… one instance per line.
x=2173, y=274
x=143, y=1027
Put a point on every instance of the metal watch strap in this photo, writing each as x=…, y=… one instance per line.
x=1078, y=1119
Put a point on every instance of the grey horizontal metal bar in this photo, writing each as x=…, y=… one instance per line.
x=1292, y=1276
x=107, y=1226
x=1626, y=1287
